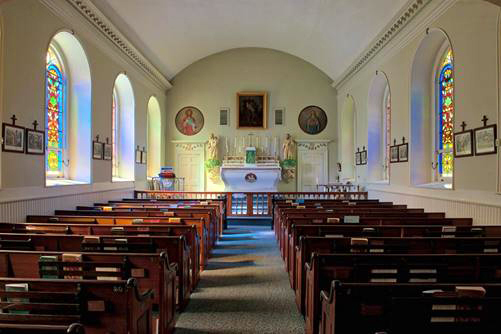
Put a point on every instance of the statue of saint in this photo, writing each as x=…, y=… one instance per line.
x=288, y=147
x=212, y=147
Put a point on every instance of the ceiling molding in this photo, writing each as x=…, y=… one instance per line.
x=401, y=20
x=110, y=33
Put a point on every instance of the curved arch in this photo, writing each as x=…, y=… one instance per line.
x=123, y=130
x=78, y=104
x=424, y=105
x=378, y=116
x=154, y=133
x=348, y=138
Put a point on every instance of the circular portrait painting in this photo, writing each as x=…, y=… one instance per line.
x=312, y=120
x=189, y=121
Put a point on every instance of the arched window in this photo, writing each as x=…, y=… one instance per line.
x=56, y=114
x=386, y=142
x=68, y=114
x=154, y=146
x=123, y=109
x=115, y=119
x=445, y=124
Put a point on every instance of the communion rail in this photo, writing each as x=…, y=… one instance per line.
x=248, y=204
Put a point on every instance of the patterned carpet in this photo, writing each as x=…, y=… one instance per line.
x=245, y=288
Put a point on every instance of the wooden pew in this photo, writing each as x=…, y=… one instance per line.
x=151, y=271
x=56, y=306
x=139, y=221
x=189, y=232
x=379, y=245
x=403, y=308
x=393, y=268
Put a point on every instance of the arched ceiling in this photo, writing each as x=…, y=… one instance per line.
x=173, y=34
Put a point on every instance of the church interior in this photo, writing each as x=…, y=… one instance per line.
x=250, y=166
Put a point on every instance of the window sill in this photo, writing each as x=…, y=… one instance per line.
x=62, y=182
x=436, y=185
x=120, y=179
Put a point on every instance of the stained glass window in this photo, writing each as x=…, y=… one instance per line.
x=55, y=126
x=114, y=135
x=446, y=115
x=387, y=134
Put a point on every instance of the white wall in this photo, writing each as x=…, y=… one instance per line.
x=213, y=82
x=472, y=27
x=27, y=28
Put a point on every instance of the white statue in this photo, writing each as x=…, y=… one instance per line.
x=212, y=147
x=288, y=147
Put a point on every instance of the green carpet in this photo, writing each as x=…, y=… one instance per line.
x=245, y=288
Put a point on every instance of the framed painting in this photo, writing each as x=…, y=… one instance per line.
x=312, y=120
x=138, y=156
x=252, y=110
x=403, y=152
x=189, y=121
x=13, y=138
x=224, y=116
x=485, y=140
x=97, y=150
x=144, y=156
x=279, y=116
x=463, y=144
x=394, y=152
x=363, y=157
x=108, y=151
x=358, y=158
x=35, y=142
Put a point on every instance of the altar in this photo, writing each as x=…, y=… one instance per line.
x=251, y=173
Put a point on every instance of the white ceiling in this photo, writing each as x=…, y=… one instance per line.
x=173, y=34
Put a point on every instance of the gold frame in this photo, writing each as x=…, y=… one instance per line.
x=265, y=110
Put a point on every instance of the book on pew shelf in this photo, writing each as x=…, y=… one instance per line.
x=91, y=239
x=359, y=241
x=351, y=219
x=108, y=270
x=329, y=210
x=351, y=203
x=52, y=259
x=334, y=236
x=300, y=207
x=17, y=287
x=107, y=208
x=174, y=220
x=333, y=220
x=289, y=201
x=470, y=291
x=204, y=203
x=137, y=221
x=72, y=257
x=169, y=214
x=117, y=230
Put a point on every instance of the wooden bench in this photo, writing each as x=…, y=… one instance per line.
x=392, y=268
x=151, y=271
x=403, y=308
x=74, y=306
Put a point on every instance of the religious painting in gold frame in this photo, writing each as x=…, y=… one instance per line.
x=252, y=110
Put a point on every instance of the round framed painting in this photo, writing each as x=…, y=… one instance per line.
x=312, y=120
x=189, y=121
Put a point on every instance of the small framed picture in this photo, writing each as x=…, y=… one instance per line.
x=138, y=156
x=363, y=157
x=144, y=156
x=97, y=150
x=394, y=152
x=108, y=152
x=35, y=142
x=358, y=158
x=485, y=140
x=403, y=152
x=279, y=116
x=13, y=138
x=463, y=144
x=224, y=116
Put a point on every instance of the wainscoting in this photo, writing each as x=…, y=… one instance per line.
x=482, y=214
x=16, y=210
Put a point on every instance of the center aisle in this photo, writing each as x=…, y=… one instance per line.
x=245, y=288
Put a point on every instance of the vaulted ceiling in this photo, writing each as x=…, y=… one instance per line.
x=173, y=34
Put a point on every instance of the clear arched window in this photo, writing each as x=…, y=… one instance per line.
x=386, y=122
x=115, y=126
x=55, y=114
x=445, y=123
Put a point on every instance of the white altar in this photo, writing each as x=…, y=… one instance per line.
x=241, y=176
